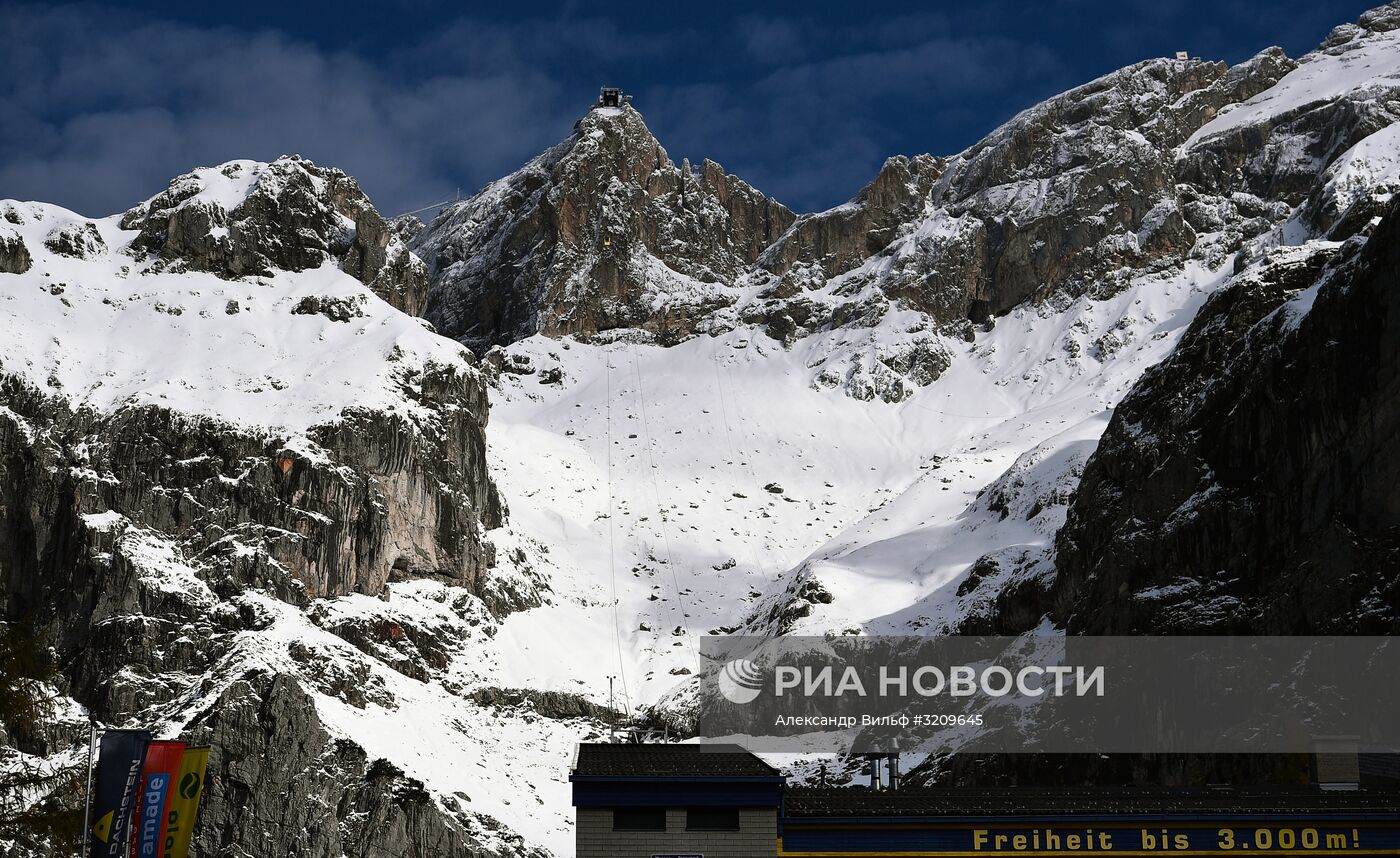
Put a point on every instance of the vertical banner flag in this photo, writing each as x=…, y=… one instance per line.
x=157, y=778
x=113, y=797
x=184, y=803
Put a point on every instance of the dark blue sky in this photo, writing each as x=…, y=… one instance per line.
x=101, y=104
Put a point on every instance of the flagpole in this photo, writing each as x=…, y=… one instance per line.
x=87, y=803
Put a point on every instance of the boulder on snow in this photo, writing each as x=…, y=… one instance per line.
x=337, y=309
x=78, y=240
x=14, y=255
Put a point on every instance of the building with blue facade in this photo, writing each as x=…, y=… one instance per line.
x=697, y=801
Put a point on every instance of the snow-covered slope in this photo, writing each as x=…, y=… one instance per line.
x=712, y=486
x=109, y=330
x=274, y=490
x=1274, y=144
x=1362, y=60
x=722, y=484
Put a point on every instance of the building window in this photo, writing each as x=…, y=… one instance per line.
x=639, y=819
x=712, y=819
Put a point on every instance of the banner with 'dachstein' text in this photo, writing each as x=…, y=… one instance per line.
x=121, y=755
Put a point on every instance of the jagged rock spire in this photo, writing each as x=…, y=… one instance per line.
x=602, y=231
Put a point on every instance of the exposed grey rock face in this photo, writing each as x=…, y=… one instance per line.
x=828, y=244
x=1084, y=184
x=1249, y=483
x=374, y=496
x=292, y=215
x=134, y=539
x=603, y=231
x=14, y=256
x=100, y=511
x=335, y=309
x=1072, y=196
x=1356, y=189
x=1075, y=195
x=268, y=745
x=1278, y=153
x=1116, y=179
x=379, y=258
x=888, y=372
x=549, y=704
x=838, y=240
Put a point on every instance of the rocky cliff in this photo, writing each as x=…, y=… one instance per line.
x=1307, y=227
x=213, y=401
x=603, y=231
x=1248, y=485
x=1071, y=195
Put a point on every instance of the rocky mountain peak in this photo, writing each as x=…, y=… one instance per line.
x=1274, y=144
x=1076, y=194
x=249, y=218
x=837, y=240
x=602, y=231
x=1144, y=108
x=618, y=140
x=209, y=423
x=1124, y=176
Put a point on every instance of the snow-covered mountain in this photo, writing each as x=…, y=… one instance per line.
x=216, y=421
x=1080, y=376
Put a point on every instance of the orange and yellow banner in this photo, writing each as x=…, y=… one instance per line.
x=184, y=803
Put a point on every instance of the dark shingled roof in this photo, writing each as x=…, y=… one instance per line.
x=1031, y=801
x=596, y=759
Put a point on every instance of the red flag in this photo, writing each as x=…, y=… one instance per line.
x=157, y=777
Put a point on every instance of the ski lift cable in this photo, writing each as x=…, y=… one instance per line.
x=612, y=561
x=423, y=209
x=965, y=416
x=656, y=488
x=457, y=198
